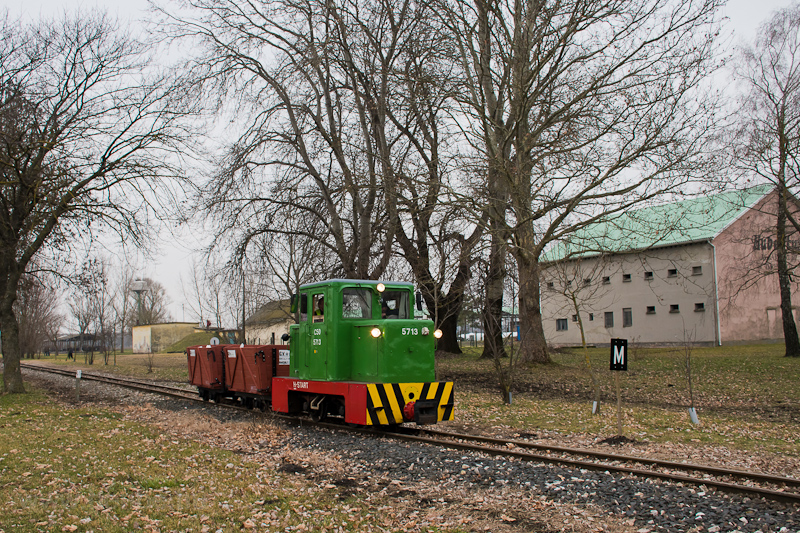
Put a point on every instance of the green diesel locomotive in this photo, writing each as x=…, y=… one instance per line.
x=359, y=353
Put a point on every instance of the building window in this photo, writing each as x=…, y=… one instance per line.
x=648, y=276
x=587, y=282
x=697, y=270
x=591, y=317
x=551, y=285
x=626, y=278
x=561, y=324
x=651, y=309
x=672, y=273
x=574, y=318
x=673, y=308
x=609, y=319
x=606, y=280
x=627, y=317
x=700, y=306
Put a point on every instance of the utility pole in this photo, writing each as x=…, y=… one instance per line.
x=244, y=296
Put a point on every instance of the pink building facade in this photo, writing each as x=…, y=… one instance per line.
x=712, y=282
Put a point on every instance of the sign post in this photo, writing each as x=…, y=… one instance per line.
x=619, y=363
x=78, y=386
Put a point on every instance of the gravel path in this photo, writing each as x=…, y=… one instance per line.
x=422, y=475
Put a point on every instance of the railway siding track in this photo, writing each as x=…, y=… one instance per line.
x=143, y=386
x=778, y=488
x=622, y=464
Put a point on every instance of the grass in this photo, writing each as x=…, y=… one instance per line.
x=84, y=469
x=67, y=468
x=747, y=397
x=164, y=367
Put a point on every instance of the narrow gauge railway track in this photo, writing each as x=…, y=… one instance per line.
x=575, y=457
x=143, y=386
x=750, y=483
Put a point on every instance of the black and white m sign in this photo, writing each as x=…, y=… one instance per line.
x=619, y=354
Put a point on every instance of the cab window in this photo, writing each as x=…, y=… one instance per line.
x=318, y=307
x=395, y=304
x=299, y=305
x=356, y=303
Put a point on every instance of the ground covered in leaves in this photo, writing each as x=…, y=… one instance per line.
x=157, y=465
x=119, y=463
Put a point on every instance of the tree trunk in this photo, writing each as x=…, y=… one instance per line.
x=784, y=280
x=493, y=304
x=495, y=287
x=449, y=340
x=12, y=373
x=447, y=310
x=533, y=345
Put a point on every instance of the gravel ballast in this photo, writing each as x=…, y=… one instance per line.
x=653, y=505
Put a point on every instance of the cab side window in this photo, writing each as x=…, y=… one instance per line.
x=303, y=299
x=318, y=307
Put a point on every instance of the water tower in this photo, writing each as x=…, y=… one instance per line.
x=138, y=286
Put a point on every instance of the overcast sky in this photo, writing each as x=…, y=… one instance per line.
x=744, y=17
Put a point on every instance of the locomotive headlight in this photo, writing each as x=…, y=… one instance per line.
x=376, y=332
x=437, y=334
x=381, y=287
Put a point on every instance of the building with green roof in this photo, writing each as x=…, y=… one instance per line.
x=699, y=270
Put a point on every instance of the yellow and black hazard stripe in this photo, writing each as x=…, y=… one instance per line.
x=442, y=393
x=385, y=401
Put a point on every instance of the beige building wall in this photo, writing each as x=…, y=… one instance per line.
x=141, y=339
x=156, y=338
x=263, y=334
x=668, y=295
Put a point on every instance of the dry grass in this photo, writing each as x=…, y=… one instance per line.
x=747, y=397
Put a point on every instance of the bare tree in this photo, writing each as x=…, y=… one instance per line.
x=36, y=310
x=104, y=308
x=283, y=262
x=769, y=135
x=350, y=130
x=310, y=146
x=206, y=291
x=83, y=309
x=581, y=108
x=86, y=136
x=505, y=356
x=91, y=307
x=154, y=303
x=122, y=304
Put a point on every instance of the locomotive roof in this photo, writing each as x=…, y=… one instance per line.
x=371, y=282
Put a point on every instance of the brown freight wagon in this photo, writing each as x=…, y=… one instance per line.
x=207, y=370
x=249, y=370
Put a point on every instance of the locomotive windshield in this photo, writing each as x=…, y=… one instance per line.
x=395, y=304
x=356, y=303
